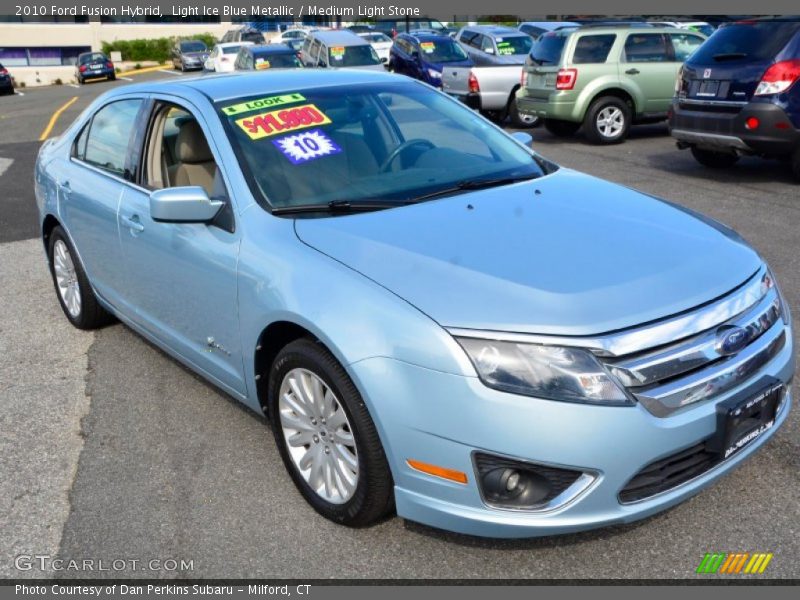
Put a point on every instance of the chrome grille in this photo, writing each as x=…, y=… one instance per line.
x=669, y=377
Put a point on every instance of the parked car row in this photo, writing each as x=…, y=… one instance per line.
x=6, y=83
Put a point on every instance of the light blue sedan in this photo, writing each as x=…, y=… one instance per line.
x=435, y=319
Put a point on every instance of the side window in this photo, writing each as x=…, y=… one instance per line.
x=323, y=54
x=314, y=52
x=684, y=44
x=487, y=45
x=593, y=49
x=178, y=153
x=306, y=45
x=110, y=135
x=467, y=36
x=646, y=47
x=79, y=149
x=477, y=41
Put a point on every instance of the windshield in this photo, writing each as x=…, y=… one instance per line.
x=230, y=49
x=442, y=51
x=277, y=60
x=519, y=44
x=253, y=36
x=193, y=47
x=392, y=142
x=746, y=41
x=353, y=56
x=548, y=48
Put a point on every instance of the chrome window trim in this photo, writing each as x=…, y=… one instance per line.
x=630, y=341
x=109, y=174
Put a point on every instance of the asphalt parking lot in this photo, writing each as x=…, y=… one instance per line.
x=110, y=449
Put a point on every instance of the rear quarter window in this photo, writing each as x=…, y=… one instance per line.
x=593, y=49
x=754, y=40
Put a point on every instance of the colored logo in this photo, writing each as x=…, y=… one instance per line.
x=734, y=563
x=731, y=340
x=706, y=73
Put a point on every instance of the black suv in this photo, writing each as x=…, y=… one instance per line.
x=739, y=94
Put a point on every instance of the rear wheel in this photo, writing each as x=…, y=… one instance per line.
x=607, y=121
x=326, y=437
x=519, y=120
x=714, y=159
x=561, y=128
x=74, y=292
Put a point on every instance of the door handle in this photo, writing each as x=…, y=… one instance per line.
x=133, y=223
x=64, y=187
x=632, y=72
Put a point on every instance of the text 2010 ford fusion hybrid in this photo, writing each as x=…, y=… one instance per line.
x=435, y=319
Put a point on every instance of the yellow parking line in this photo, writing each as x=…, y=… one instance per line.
x=54, y=118
x=142, y=70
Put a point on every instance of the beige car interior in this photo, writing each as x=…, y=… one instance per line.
x=183, y=158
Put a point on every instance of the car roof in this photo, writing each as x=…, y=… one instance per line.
x=271, y=49
x=229, y=44
x=242, y=84
x=495, y=30
x=549, y=25
x=341, y=37
x=427, y=37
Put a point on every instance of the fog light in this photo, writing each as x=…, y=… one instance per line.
x=752, y=123
x=506, y=483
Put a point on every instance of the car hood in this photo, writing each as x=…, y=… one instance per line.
x=566, y=254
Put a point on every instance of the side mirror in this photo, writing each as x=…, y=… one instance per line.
x=415, y=55
x=384, y=60
x=526, y=139
x=183, y=205
x=321, y=64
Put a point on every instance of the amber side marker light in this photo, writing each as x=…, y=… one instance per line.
x=449, y=474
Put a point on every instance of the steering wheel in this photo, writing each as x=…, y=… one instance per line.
x=402, y=148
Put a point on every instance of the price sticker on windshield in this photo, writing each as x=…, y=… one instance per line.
x=427, y=47
x=262, y=64
x=505, y=48
x=281, y=121
x=337, y=52
x=308, y=145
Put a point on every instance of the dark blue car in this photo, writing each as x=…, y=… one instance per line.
x=738, y=94
x=424, y=55
x=94, y=65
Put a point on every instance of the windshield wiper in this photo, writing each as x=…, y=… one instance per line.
x=473, y=184
x=729, y=55
x=336, y=206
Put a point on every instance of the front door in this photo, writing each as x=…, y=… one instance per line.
x=183, y=276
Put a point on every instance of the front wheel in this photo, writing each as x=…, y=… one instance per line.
x=326, y=437
x=74, y=292
x=607, y=121
x=713, y=159
x=518, y=119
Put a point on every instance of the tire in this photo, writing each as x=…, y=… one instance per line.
x=497, y=117
x=561, y=128
x=518, y=120
x=369, y=493
x=796, y=164
x=81, y=81
x=714, y=160
x=86, y=313
x=112, y=77
x=616, y=126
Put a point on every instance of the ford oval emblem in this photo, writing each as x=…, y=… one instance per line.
x=730, y=340
x=706, y=73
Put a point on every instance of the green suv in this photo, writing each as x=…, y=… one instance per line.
x=603, y=77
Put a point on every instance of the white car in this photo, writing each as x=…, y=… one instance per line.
x=223, y=56
x=296, y=34
x=381, y=42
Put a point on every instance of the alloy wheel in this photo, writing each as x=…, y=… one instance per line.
x=318, y=436
x=67, y=279
x=610, y=122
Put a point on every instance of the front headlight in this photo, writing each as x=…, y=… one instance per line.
x=768, y=282
x=434, y=74
x=553, y=372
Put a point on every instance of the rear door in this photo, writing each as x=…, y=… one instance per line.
x=90, y=191
x=647, y=64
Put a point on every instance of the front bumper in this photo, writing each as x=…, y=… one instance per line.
x=718, y=127
x=443, y=419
